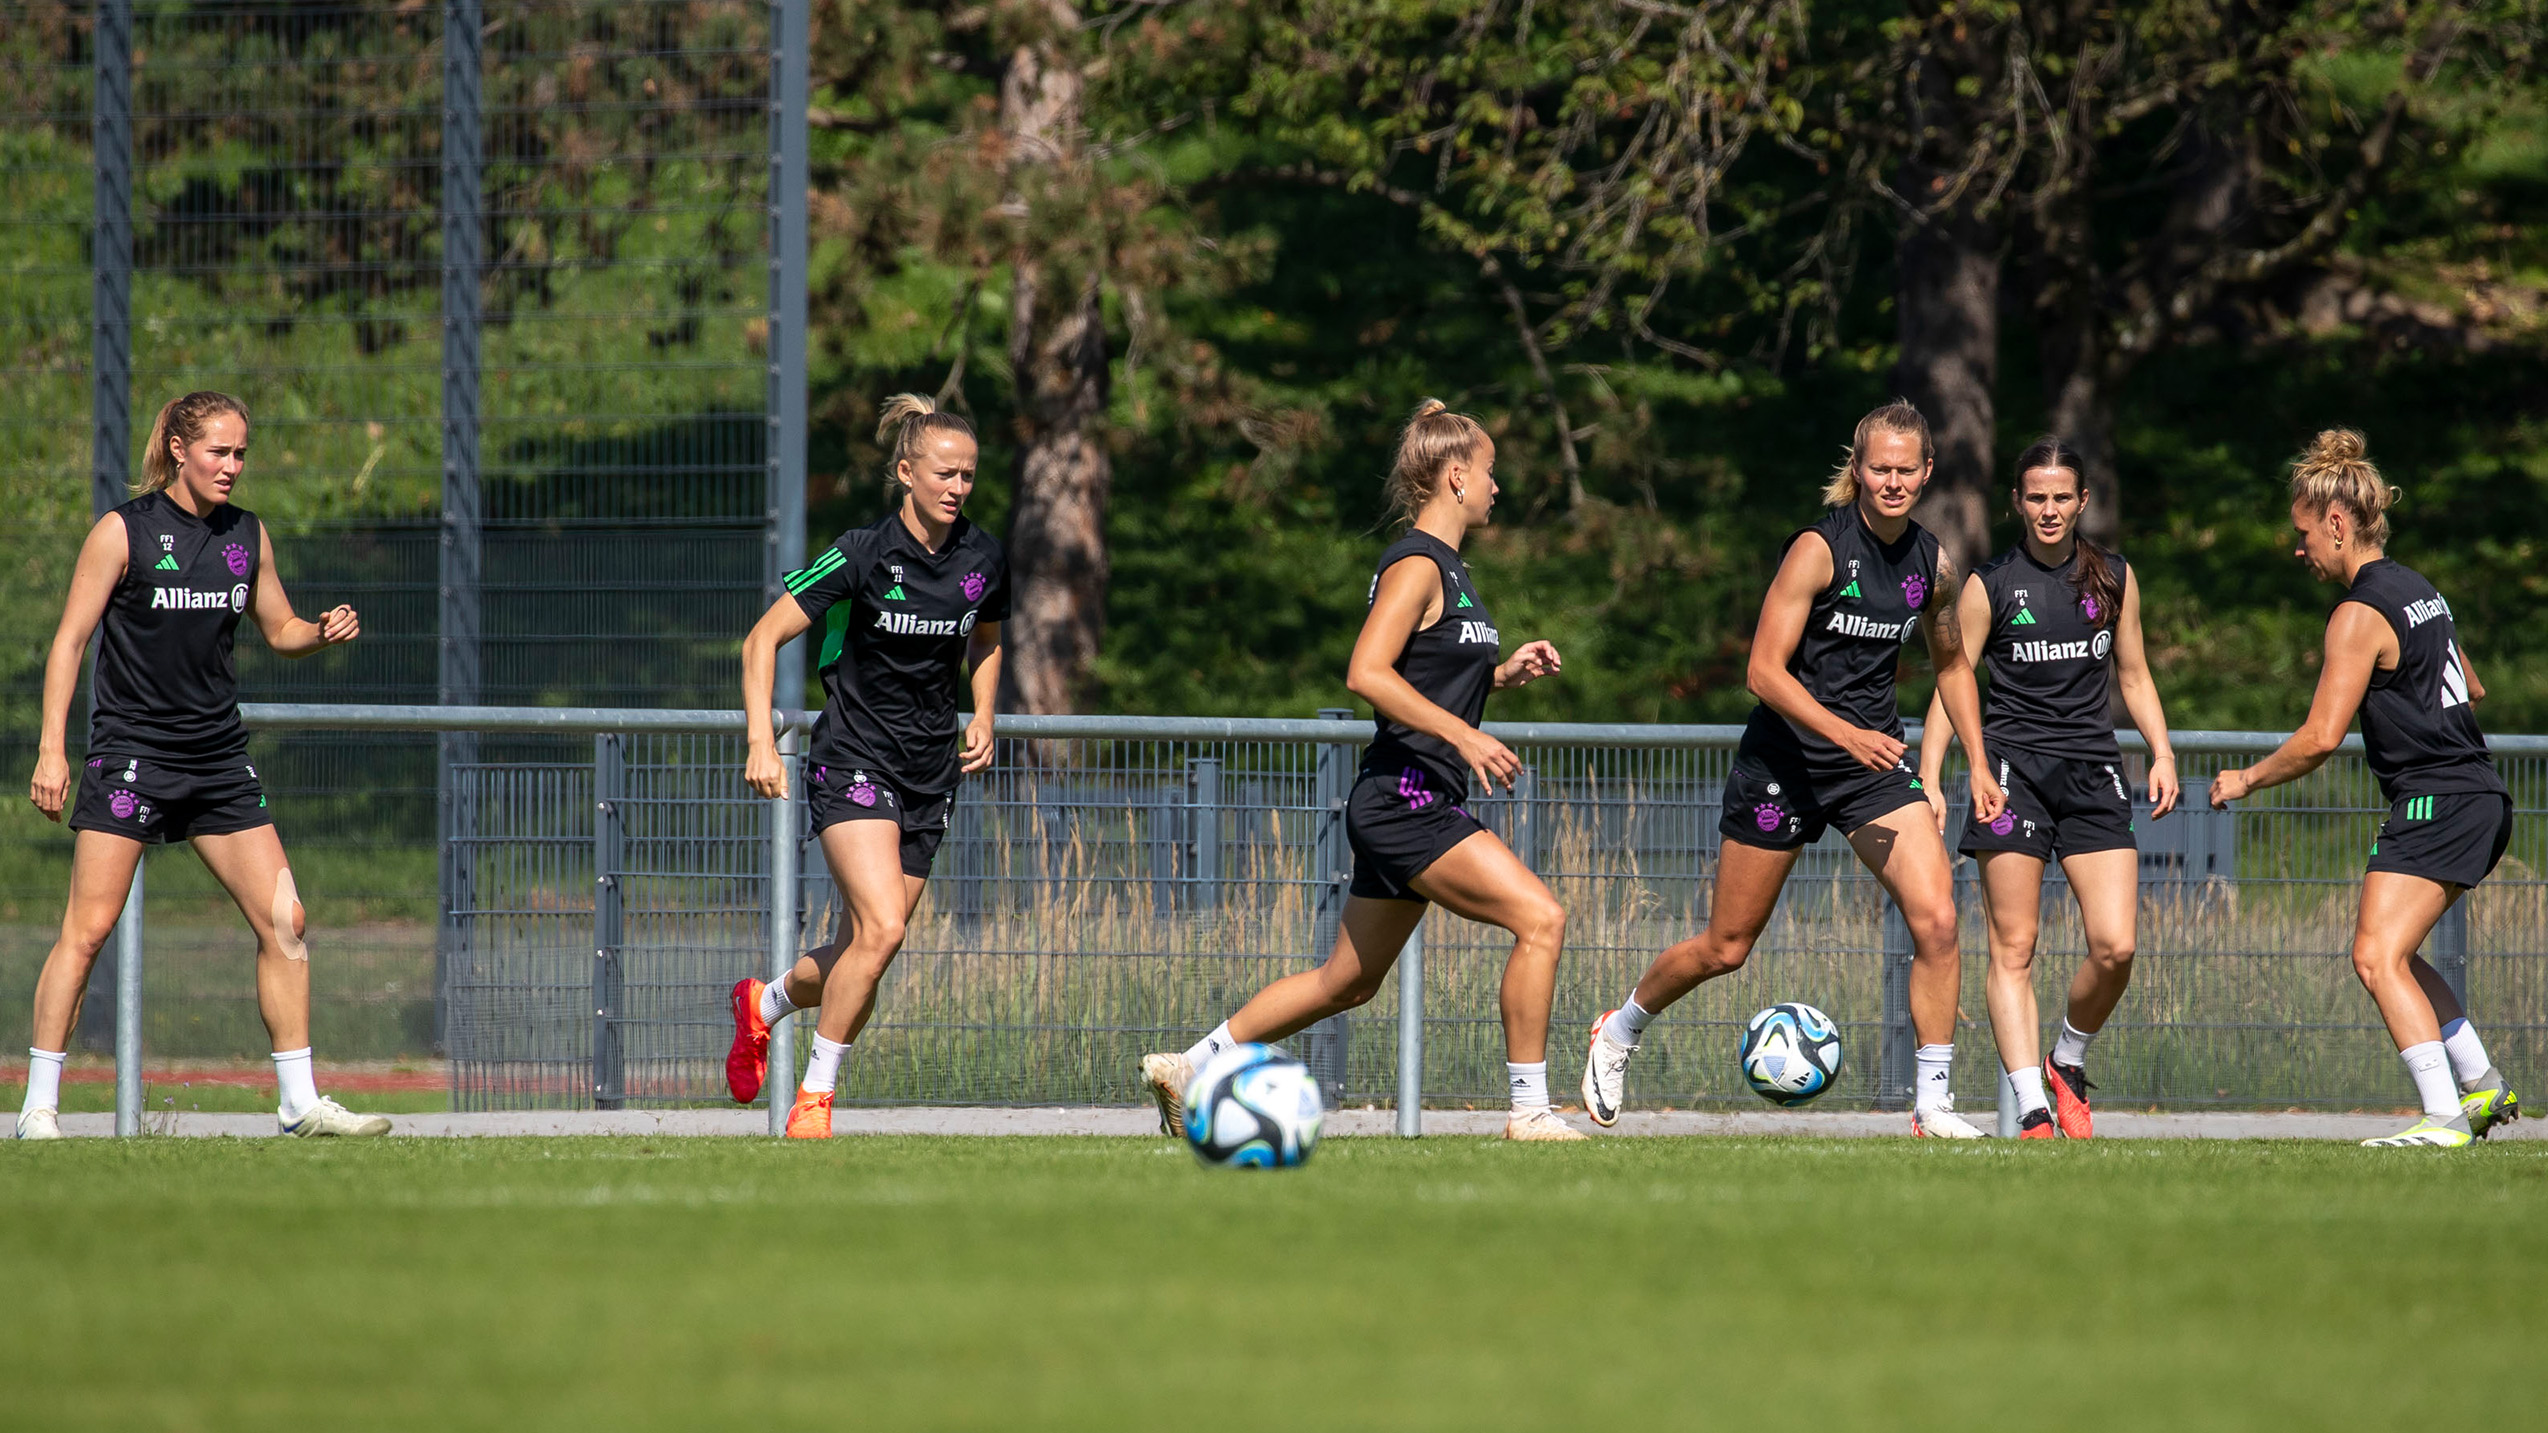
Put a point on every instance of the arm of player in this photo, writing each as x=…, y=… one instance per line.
x=2141, y=698
x=2476, y=688
x=983, y=653
x=1937, y=729
x=2357, y=638
x=284, y=630
x=1805, y=571
x=1950, y=651
x=93, y=577
x=782, y=624
x=1409, y=592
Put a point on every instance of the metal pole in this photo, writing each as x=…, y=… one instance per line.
x=1328, y=1044
x=457, y=659
x=783, y=928
x=1894, y=1065
x=111, y=261
x=610, y=1069
x=1411, y=1035
x=2450, y=949
x=791, y=175
x=1204, y=795
x=128, y=1011
x=2007, y=1106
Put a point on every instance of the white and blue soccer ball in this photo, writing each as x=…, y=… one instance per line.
x=1253, y=1107
x=1791, y=1053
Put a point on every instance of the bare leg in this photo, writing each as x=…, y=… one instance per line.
x=2398, y=911
x=1368, y=940
x=2012, y=901
x=250, y=865
x=804, y=983
x=866, y=862
x=1748, y=880
x=101, y=877
x=1908, y=856
x=2108, y=885
x=1482, y=880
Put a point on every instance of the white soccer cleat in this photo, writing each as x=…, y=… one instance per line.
x=328, y=1118
x=2427, y=1133
x=41, y=1123
x=1606, y=1074
x=1541, y=1126
x=1942, y=1123
x=1167, y=1075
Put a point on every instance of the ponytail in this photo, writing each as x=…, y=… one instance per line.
x=182, y=419
x=2333, y=473
x=1898, y=416
x=1433, y=439
x=2097, y=577
x=916, y=418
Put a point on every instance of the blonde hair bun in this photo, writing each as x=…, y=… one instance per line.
x=2334, y=473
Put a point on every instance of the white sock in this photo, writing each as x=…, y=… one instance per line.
x=1530, y=1085
x=775, y=1006
x=2072, y=1048
x=2468, y=1053
x=1627, y=1024
x=44, y=1079
x=1210, y=1045
x=2029, y=1084
x=296, y=1087
x=2430, y=1064
x=1930, y=1091
x=823, y=1070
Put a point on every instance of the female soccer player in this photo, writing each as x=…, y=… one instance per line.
x=168, y=576
x=906, y=603
x=1425, y=661
x=2059, y=620
x=1824, y=748
x=2394, y=655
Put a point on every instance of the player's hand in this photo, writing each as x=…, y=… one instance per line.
x=978, y=743
x=1937, y=804
x=1534, y=661
x=1872, y=749
x=1988, y=799
x=339, y=624
x=52, y=784
x=764, y=772
x=2228, y=786
x=2163, y=787
x=1492, y=761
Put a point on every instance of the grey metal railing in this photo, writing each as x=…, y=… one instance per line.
x=1114, y=884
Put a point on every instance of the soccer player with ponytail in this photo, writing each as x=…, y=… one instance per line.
x=905, y=604
x=2393, y=654
x=2058, y=621
x=1426, y=659
x=164, y=580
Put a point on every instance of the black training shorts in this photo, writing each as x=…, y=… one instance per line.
x=2057, y=806
x=1399, y=825
x=154, y=804
x=1779, y=803
x=2454, y=838
x=834, y=794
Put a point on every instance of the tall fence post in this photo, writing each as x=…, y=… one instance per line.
x=1411, y=1034
x=1524, y=822
x=1203, y=797
x=791, y=175
x=1894, y=1063
x=128, y=1009
x=610, y=780
x=1328, y=1043
x=457, y=674
x=111, y=262
x=783, y=926
x=2450, y=949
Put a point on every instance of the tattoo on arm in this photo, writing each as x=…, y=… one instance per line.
x=1946, y=620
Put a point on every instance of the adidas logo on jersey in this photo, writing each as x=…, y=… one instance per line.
x=2454, y=676
x=903, y=624
x=896, y=594
x=1851, y=590
x=1479, y=632
x=166, y=563
x=1850, y=624
x=1465, y=602
x=2025, y=618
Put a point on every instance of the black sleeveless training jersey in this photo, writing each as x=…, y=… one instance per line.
x=2051, y=657
x=1855, y=633
x=1452, y=663
x=896, y=619
x=2419, y=733
x=164, y=687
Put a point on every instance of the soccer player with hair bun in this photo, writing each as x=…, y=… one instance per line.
x=2058, y=620
x=1825, y=749
x=163, y=580
x=2393, y=655
x=1427, y=657
x=906, y=604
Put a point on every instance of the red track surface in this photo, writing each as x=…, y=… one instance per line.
x=359, y=1079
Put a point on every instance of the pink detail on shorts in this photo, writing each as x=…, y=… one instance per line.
x=1411, y=789
x=1768, y=817
x=863, y=793
x=122, y=804
x=2003, y=823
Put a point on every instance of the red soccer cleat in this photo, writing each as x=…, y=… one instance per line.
x=811, y=1117
x=2038, y=1124
x=747, y=1062
x=2068, y=1085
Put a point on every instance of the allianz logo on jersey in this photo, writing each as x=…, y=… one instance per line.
x=2419, y=613
x=903, y=624
x=187, y=599
x=2042, y=651
x=1479, y=632
x=1850, y=624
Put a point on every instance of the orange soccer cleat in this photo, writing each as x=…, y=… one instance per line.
x=747, y=1061
x=2037, y=1124
x=2069, y=1087
x=811, y=1117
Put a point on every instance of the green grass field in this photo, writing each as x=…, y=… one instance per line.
x=1086, y=1283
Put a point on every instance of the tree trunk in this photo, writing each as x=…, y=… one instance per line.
x=1058, y=366
x=1946, y=304
x=2073, y=355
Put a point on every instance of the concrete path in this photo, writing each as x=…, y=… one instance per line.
x=1116, y=1120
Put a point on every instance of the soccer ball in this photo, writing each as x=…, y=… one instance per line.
x=1791, y=1053
x=1253, y=1107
